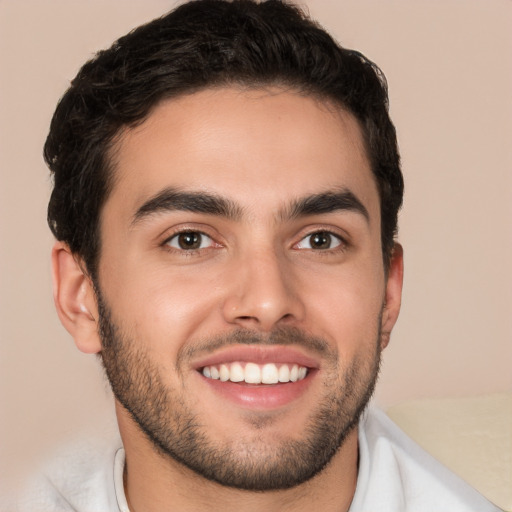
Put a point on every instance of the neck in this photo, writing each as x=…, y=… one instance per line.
x=155, y=482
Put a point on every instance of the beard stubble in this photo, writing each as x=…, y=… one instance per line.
x=164, y=416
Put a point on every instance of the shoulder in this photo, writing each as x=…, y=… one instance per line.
x=80, y=477
x=396, y=474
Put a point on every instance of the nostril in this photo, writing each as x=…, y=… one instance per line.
x=262, y=311
x=255, y=320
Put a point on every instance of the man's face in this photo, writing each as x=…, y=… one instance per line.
x=241, y=243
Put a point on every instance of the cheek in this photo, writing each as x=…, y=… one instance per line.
x=345, y=307
x=164, y=307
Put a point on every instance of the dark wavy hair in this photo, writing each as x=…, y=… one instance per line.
x=201, y=44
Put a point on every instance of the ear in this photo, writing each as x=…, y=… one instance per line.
x=393, y=296
x=75, y=299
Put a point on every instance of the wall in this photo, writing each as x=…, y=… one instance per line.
x=449, y=71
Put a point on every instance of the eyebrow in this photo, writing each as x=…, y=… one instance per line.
x=325, y=202
x=171, y=199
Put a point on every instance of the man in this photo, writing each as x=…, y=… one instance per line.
x=227, y=185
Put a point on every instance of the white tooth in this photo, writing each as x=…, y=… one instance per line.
x=236, y=373
x=269, y=374
x=294, y=373
x=284, y=373
x=214, y=372
x=252, y=373
x=206, y=371
x=224, y=373
x=302, y=372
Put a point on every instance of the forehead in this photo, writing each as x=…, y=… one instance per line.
x=258, y=147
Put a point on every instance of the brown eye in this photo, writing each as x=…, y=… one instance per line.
x=320, y=241
x=190, y=241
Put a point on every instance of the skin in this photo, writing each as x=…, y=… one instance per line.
x=262, y=150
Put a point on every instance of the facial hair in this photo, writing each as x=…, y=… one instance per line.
x=164, y=414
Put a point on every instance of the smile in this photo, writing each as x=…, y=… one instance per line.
x=257, y=377
x=252, y=373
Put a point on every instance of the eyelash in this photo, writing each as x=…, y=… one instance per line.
x=187, y=252
x=341, y=243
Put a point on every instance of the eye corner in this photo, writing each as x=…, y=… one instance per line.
x=322, y=240
x=189, y=240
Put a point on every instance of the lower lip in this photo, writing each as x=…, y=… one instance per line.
x=260, y=396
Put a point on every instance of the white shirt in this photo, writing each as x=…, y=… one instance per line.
x=395, y=475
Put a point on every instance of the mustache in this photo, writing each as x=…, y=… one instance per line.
x=279, y=336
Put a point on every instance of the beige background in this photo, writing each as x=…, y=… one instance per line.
x=449, y=69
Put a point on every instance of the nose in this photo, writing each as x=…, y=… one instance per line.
x=263, y=293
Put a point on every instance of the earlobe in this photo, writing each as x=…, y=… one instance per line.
x=393, y=296
x=75, y=300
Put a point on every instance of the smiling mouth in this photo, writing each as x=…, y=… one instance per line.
x=252, y=373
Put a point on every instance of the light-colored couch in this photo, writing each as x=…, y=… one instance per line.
x=472, y=436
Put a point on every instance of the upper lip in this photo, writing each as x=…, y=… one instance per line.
x=259, y=354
